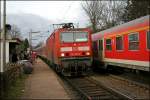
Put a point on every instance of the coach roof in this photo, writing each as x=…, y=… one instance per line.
x=128, y=24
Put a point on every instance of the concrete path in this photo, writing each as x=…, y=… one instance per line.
x=43, y=84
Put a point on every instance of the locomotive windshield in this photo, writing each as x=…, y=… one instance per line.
x=74, y=36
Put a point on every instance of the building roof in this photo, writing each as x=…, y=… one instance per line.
x=16, y=40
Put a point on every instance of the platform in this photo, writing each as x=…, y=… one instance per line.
x=43, y=84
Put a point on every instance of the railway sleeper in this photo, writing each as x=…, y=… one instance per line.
x=95, y=92
x=81, y=81
x=87, y=87
x=100, y=95
x=92, y=89
x=103, y=97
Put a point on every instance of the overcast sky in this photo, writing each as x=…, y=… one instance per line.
x=55, y=11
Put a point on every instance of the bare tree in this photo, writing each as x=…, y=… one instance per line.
x=93, y=10
x=104, y=14
x=15, y=31
x=113, y=12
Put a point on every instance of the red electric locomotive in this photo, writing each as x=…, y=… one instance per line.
x=69, y=49
x=126, y=45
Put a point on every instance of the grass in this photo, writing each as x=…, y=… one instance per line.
x=16, y=90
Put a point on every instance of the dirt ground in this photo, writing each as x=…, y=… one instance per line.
x=43, y=84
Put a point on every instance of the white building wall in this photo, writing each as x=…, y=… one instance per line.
x=1, y=55
x=1, y=60
x=7, y=52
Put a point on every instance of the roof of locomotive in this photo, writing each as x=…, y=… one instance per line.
x=68, y=29
x=122, y=26
x=72, y=29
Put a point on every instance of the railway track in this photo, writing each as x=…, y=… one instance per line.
x=90, y=89
x=107, y=87
x=127, y=87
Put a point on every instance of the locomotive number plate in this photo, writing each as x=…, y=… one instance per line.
x=75, y=48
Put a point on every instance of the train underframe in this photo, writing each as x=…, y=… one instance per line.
x=119, y=66
x=75, y=66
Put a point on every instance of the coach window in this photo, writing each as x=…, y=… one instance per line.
x=119, y=43
x=100, y=45
x=95, y=46
x=108, y=44
x=133, y=41
x=148, y=40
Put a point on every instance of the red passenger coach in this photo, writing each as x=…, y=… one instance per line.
x=69, y=49
x=126, y=45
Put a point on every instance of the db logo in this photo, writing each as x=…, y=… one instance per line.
x=75, y=48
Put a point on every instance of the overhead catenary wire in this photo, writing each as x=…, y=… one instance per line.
x=69, y=7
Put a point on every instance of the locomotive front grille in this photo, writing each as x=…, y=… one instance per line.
x=75, y=64
x=76, y=61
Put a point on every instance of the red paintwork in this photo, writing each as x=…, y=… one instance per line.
x=142, y=54
x=139, y=55
x=33, y=55
x=53, y=46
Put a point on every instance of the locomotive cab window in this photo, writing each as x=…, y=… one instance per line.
x=74, y=36
x=81, y=36
x=148, y=40
x=108, y=44
x=133, y=41
x=67, y=37
x=119, y=43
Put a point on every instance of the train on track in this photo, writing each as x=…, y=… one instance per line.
x=69, y=49
x=126, y=45
x=73, y=50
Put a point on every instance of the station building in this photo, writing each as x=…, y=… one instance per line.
x=11, y=44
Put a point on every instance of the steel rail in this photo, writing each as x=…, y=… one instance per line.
x=130, y=81
x=90, y=89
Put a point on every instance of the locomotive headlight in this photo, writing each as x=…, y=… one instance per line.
x=62, y=54
x=87, y=53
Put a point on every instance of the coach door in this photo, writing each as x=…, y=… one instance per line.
x=100, y=49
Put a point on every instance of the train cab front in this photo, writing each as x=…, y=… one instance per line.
x=75, y=53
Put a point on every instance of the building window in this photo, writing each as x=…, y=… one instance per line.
x=119, y=43
x=108, y=44
x=148, y=40
x=133, y=41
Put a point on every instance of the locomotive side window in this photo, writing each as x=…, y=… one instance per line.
x=133, y=41
x=74, y=36
x=119, y=43
x=148, y=40
x=108, y=44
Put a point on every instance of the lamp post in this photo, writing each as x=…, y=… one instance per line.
x=3, y=48
x=3, y=37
